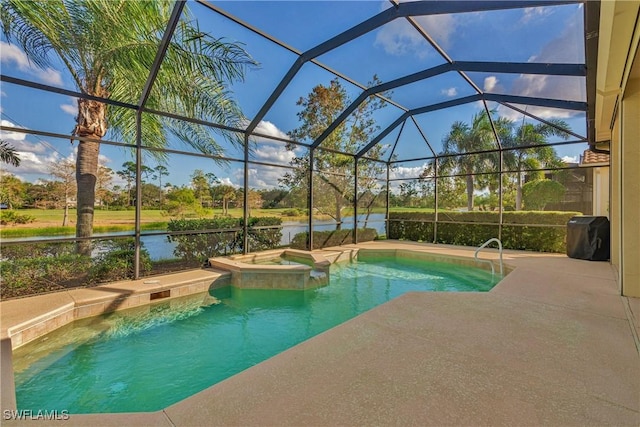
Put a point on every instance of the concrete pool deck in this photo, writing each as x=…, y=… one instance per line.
x=554, y=343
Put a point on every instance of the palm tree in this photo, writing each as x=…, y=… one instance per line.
x=8, y=154
x=462, y=139
x=128, y=174
x=160, y=171
x=523, y=159
x=108, y=47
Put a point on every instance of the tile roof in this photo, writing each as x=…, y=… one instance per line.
x=589, y=157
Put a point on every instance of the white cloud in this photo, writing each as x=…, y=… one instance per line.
x=35, y=157
x=260, y=177
x=440, y=27
x=535, y=13
x=269, y=151
x=541, y=112
x=400, y=38
x=37, y=164
x=562, y=49
x=10, y=135
x=402, y=172
x=34, y=160
x=13, y=55
x=269, y=129
x=452, y=91
x=570, y=159
x=273, y=154
x=71, y=109
x=227, y=181
x=491, y=84
x=18, y=140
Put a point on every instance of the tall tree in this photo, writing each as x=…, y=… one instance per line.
x=12, y=190
x=225, y=193
x=464, y=138
x=334, y=173
x=103, y=181
x=181, y=200
x=159, y=172
x=202, y=184
x=128, y=173
x=65, y=171
x=523, y=159
x=108, y=47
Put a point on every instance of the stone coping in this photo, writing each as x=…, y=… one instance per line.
x=317, y=259
x=248, y=271
x=24, y=319
x=524, y=261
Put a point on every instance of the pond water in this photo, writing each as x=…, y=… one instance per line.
x=159, y=246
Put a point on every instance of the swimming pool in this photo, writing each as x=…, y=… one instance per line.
x=148, y=358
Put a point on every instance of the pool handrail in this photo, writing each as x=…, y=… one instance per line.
x=494, y=239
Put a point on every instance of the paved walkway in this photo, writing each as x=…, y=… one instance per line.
x=553, y=344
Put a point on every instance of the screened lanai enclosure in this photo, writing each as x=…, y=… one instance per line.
x=144, y=137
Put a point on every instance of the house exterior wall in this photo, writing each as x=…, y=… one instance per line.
x=601, y=191
x=617, y=112
x=630, y=186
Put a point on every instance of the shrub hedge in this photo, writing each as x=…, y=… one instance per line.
x=458, y=228
x=200, y=246
x=41, y=267
x=323, y=239
x=116, y=261
x=12, y=217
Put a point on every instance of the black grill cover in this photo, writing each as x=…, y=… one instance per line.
x=588, y=238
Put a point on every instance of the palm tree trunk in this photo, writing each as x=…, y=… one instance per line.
x=86, y=172
x=519, y=191
x=91, y=123
x=469, y=193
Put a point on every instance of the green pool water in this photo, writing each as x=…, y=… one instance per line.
x=148, y=358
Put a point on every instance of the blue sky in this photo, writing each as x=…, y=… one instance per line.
x=547, y=34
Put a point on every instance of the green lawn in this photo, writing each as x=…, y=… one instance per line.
x=48, y=222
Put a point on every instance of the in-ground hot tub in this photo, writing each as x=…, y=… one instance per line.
x=277, y=269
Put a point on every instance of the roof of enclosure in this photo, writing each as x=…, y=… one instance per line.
x=553, y=81
x=453, y=57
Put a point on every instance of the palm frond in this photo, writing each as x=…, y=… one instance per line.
x=8, y=154
x=109, y=47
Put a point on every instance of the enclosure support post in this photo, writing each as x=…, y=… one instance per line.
x=499, y=143
x=310, y=200
x=435, y=200
x=355, y=201
x=245, y=198
x=386, y=214
x=500, y=209
x=136, y=256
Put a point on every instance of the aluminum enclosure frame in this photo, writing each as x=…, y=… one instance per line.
x=406, y=10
